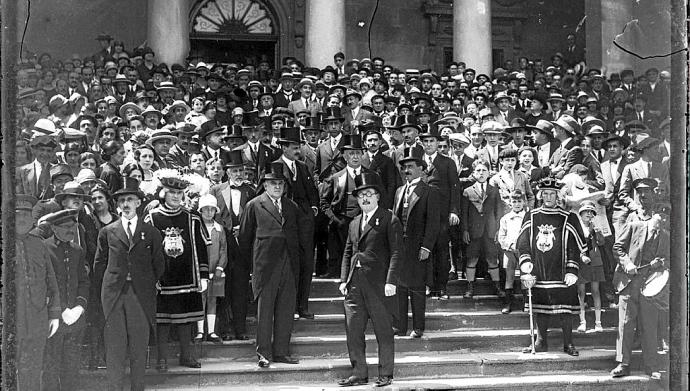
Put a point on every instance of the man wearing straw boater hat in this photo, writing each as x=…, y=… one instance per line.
x=271, y=235
x=549, y=247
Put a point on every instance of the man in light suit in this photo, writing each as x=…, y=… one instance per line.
x=129, y=261
x=305, y=101
x=34, y=178
x=569, y=154
x=310, y=134
x=353, y=114
x=490, y=152
x=270, y=232
x=370, y=272
x=542, y=134
x=649, y=166
x=301, y=189
x=642, y=248
x=416, y=205
x=232, y=197
x=503, y=113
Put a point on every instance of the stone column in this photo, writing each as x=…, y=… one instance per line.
x=472, y=34
x=605, y=20
x=168, y=30
x=325, y=29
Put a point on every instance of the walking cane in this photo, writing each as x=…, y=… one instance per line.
x=528, y=281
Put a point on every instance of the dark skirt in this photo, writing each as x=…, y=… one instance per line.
x=554, y=300
x=591, y=273
x=180, y=308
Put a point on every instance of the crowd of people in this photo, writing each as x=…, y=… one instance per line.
x=150, y=196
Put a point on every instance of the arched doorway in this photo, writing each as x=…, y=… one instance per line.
x=240, y=31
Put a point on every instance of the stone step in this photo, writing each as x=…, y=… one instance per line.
x=464, y=340
x=427, y=365
x=327, y=287
x=438, y=320
x=572, y=381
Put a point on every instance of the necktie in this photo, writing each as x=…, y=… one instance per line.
x=280, y=210
x=129, y=232
x=44, y=178
x=483, y=189
x=429, y=161
x=294, y=171
x=600, y=156
x=306, y=104
x=365, y=218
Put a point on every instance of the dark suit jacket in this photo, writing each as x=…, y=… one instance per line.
x=659, y=99
x=226, y=216
x=178, y=157
x=594, y=177
x=472, y=220
x=328, y=161
x=444, y=176
x=566, y=158
x=264, y=157
x=333, y=193
x=308, y=156
x=347, y=114
x=629, y=247
x=376, y=248
x=612, y=187
x=390, y=177
x=144, y=262
x=420, y=230
x=27, y=182
x=282, y=100
x=636, y=170
x=266, y=236
x=297, y=105
x=303, y=190
x=112, y=177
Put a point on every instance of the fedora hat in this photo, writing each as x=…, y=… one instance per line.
x=352, y=92
x=290, y=135
x=366, y=180
x=624, y=140
x=209, y=127
x=71, y=189
x=646, y=143
x=352, y=142
x=501, y=95
x=184, y=128
x=160, y=134
x=567, y=123
x=231, y=158
x=593, y=125
x=517, y=124
x=412, y=154
x=331, y=114
x=544, y=127
x=406, y=121
x=120, y=78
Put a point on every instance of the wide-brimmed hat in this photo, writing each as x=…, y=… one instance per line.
x=587, y=205
x=646, y=143
x=332, y=113
x=184, y=128
x=366, y=180
x=60, y=169
x=120, y=78
x=129, y=105
x=556, y=97
x=166, y=85
x=87, y=175
x=305, y=81
x=517, y=124
x=625, y=141
x=353, y=93
x=352, y=142
x=412, y=154
x=567, y=123
x=172, y=179
x=549, y=183
x=160, y=134
x=231, y=158
x=61, y=217
x=645, y=183
x=501, y=95
x=71, y=189
x=492, y=127
x=210, y=127
x=151, y=110
x=460, y=138
x=544, y=127
x=289, y=135
x=179, y=103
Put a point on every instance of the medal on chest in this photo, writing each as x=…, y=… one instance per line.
x=545, y=237
x=173, y=243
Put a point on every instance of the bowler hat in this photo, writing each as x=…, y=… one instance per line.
x=366, y=180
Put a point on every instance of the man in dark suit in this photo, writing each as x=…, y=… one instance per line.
x=565, y=130
x=256, y=152
x=442, y=174
x=416, y=205
x=271, y=233
x=34, y=178
x=374, y=159
x=232, y=197
x=337, y=201
x=178, y=156
x=650, y=118
x=328, y=157
x=479, y=226
x=370, y=272
x=408, y=126
x=302, y=191
x=643, y=249
x=129, y=261
x=287, y=93
x=656, y=93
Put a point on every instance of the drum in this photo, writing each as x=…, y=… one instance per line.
x=655, y=287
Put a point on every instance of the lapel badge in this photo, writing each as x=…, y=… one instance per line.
x=377, y=222
x=143, y=236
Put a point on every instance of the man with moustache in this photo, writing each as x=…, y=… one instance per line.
x=416, y=205
x=408, y=126
x=178, y=155
x=370, y=272
x=129, y=261
x=328, y=157
x=232, y=197
x=302, y=191
x=374, y=159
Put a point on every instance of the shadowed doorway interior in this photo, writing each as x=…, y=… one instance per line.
x=233, y=51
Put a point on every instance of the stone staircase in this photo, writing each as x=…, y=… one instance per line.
x=467, y=344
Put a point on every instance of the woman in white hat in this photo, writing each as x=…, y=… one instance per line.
x=591, y=267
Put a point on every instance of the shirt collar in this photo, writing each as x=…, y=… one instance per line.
x=414, y=182
x=432, y=156
x=287, y=160
x=565, y=142
x=371, y=213
x=337, y=138
x=133, y=221
x=352, y=171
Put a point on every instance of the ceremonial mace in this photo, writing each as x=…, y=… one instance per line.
x=528, y=281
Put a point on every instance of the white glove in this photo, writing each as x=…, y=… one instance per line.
x=204, y=285
x=630, y=268
x=527, y=267
x=343, y=288
x=570, y=279
x=53, y=325
x=389, y=289
x=72, y=315
x=586, y=260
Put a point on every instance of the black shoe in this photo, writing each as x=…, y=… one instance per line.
x=285, y=359
x=162, y=365
x=383, y=381
x=226, y=336
x=263, y=361
x=508, y=302
x=241, y=337
x=499, y=291
x=570, y=349
x=539, y=347
x=621, y=370
x=442, y=295
x=398, y=332
x=452, y=276
x=416, y=334
x=470, y=290
x=306, y=315
x=190, y=363
x=213, y=337
x=353, y=381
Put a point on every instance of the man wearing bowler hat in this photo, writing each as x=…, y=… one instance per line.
x=232, y=197
x=370, y=272
x=337, y=201
x=270, y=234
x=301, y=189
x=129, y=261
